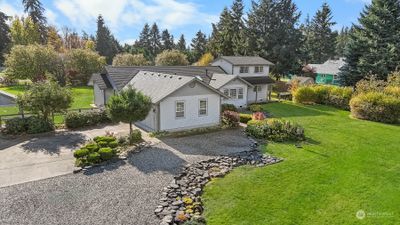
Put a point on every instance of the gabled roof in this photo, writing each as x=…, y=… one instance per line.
x=219, y=80
x=259, y=80
x=101, y=80
x=160, y=85
x=329, y=67
x=246, y=60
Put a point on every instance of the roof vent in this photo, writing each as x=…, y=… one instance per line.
x=170, y=77
x=159, y=75
x=165, y=76
x=179, y=78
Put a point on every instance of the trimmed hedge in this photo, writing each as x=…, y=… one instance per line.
x=244, y=118
x=376, y=106
x=106, y=153
x=275, y=130
x=87, y=118
x=30, y=125
x=305, y=95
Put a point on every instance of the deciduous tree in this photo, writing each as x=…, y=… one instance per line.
x=127, y=59
x=171, y=58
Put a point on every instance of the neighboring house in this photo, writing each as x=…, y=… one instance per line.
x=254, y=70
x=179, y=102
x=327, y=73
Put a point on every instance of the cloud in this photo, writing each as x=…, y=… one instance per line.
x=51, y=17
x=10, y=10
x=128, y=41
x=168, y=14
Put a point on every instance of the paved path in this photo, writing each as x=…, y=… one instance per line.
x=27, y=159
x=126, y=192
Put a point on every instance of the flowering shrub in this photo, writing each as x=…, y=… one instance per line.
x=230, y=119
x=275, y=130
x=258, y=116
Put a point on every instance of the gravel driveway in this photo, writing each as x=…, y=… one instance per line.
x=125, y=192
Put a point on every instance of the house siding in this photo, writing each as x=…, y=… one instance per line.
x=98, y=96
x=235, y=84
x=151, y=121
x=261, y=96
x=226, y=66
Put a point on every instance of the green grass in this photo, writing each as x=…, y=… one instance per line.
x=345, y=166
x=82, y=98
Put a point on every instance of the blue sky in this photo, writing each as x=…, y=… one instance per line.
x=127, y=17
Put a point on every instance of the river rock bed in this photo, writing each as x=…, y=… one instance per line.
x=181, y=200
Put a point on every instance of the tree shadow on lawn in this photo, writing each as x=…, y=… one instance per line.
x=54, y=143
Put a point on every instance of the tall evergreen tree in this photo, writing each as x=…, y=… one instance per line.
x=199, y=45
x=374, y=44
x=274, y=34
x=167, y=40
x=155, y=41
x=106, y=44
x=341, y=41
x=306, y=47
x=321, y=39
x=35, y=11
x=143, y=44
x=5, y=39
x=181, y=45
x=239, y=42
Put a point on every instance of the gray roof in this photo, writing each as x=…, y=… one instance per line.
x=259, y=80
x=329, y=67
x=101, y=80
x=160, y=85
x=219, y=80
x=246, y=60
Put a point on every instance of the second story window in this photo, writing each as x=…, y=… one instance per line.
x=258, y=69
x=244, y=69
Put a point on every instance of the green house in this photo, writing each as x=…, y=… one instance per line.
x=327, y=73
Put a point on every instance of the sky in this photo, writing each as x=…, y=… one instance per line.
x=126, y=18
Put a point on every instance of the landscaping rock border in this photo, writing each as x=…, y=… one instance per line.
x=181, y=200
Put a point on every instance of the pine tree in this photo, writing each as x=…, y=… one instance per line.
x=306, y=47
x=274, y=34
x=35, y=11
x=167, y=40
x=106, y=44
x=181, y=45
x=199, y=45
x=5, y=39
x=155, y=41
x=374, y=44
x=321, y=38
x=239, y=42
x=341, y=41
x=143, y=44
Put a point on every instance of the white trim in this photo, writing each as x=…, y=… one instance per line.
x=206, y=100
x=176, y=109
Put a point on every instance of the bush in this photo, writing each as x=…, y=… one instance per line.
x=275, y=130
x=93, y=158
x=255, y=108
x=392, y=90
x=81, y=153
x=15, y=126
x=228, y=107
x=230, y=119
x=113, y=144
x=258, y=116
x=37, y=125
x=340, y=97
x=107, y=139
x=30, y=125
x=75, y=120
x=376, y=106
x=244, y=118
x=93, y=147
x=102, y=144
x=305, y=95
x=135, y=137
x=106, y=153
x=81, y=162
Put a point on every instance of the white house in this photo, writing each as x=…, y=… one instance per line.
x=253, y=69
x=179, y=102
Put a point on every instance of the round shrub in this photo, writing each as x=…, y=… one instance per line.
x=244, y=118
x=85, y=118
x=135, y=137
x=94, y=158
x=15, y=126
x=258, y=116
x=102, y=144
x=305, y=95
x=81, y=153
x=376, y=106
x=75, y=120
x=230, y=119
x=228, y=107
x=255, y=108
x=81, y=162
x=113, y=144
x=38, y=125
x=93, y=147
x=275, y=130
x=106, y=153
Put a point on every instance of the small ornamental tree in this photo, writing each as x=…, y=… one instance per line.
x=127, y=59
x=129, y=106
x=171, y=58
x=205, y=60
x=45, y=99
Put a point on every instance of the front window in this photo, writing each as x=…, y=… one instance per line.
x=240, y=93
x=232, y=93
x=257, y=88
x=259, y=69
x=180, y=109
x=203, y=107
x=244, y=69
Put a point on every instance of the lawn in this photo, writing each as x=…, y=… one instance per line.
x=82, y=98
x=346, y=165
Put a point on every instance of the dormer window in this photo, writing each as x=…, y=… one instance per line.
x=258, y=69
x=244, y=69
